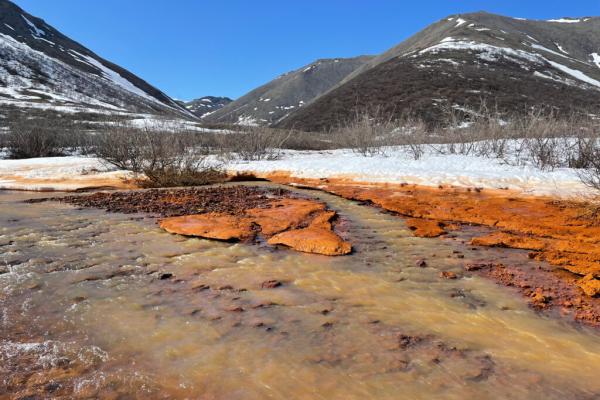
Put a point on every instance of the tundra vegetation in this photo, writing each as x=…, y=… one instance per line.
x=180, y=154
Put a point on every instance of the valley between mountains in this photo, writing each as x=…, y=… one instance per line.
x=422, y=223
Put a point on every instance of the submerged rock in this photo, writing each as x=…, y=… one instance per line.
x=210, y=226
x=313, y=240
x=425, y=228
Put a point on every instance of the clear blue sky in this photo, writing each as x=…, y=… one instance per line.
x=192, y=48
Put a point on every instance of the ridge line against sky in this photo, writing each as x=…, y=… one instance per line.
x=190, y=48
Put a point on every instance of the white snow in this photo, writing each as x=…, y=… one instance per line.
x=432, y=169
x=9, y=27
x=114, y=77
x=565, y=20
x=560, y=48
x=247, y=120
x=596, y=59
x=554, y=78
x=71, y=90
x=60, y=173
x=532, y=38
x=492, y=53
x=459, y=22
x=397, y=166
x=575, y=74
x=489, y=52
x=35, y=30
x=539, y=47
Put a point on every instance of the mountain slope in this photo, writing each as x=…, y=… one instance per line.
x=276, y=99
x=43, y=69
x=206, y=105
x=510, y=63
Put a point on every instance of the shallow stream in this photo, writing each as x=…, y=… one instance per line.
x=98, y=305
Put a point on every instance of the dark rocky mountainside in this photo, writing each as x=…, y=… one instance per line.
x=462, y=60
x=273, y=101
x=42, y=69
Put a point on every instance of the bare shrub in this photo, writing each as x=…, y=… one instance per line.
x=254, y=143
x=411, y=132
x=121, y=145
x=35, y=137
x=159, y=156
x=43, y=134
x=367, y=134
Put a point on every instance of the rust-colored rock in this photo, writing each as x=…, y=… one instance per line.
x=271, y=284
x=313, y=240
x=590, y=285
x=448, y=275
x=301, y=224
x=210, y=226
x=425, y=228
x=501, y=239
x=284, y=214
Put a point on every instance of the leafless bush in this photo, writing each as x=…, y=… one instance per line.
x=121, y=145
x=44, y=134
x=590, y=176
x=411, y=132
x=39, y=136
x=254, y=143
x=158, y=156
x=367, y=134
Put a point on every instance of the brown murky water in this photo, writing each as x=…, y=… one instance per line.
x=88, y=309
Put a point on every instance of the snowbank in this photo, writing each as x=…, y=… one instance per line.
x=398, y=166
x=58, y=173
x=432, y=169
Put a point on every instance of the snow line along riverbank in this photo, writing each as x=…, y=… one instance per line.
x=397, y=166
x=58, y=173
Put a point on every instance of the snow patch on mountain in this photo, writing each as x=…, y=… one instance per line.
x=560, y=48
x=596, y=59
x=114, y=77
x=459, y=22
x=575, y=74
x=35, y=30
x=565, y=20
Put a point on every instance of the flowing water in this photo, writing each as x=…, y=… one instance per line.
x=98, y=305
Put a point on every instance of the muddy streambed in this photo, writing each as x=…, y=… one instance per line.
x=100, y=305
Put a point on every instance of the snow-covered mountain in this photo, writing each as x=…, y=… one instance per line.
x=511, y=63
x=40, y=68
x=288, y=92
x=206, y=105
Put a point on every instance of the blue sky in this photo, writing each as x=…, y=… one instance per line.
x=192, y=48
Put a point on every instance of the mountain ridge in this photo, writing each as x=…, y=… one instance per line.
x=42, y=68
x=460, y=59
x=272, y=101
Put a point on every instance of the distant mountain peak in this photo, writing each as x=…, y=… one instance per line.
x=204, y=106
x=288, y=92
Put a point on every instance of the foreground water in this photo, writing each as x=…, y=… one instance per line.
x=110, y=306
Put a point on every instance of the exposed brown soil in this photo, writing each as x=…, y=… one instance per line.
x=177, y=202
